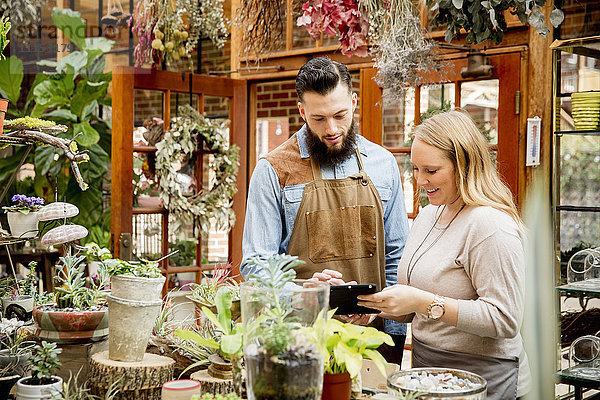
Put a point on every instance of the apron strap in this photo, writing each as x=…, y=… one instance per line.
x=316, y=169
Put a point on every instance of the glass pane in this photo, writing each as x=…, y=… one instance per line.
x=406, y=177
x=181, y=99
x=480, y=99
x=435, y=98
x=398, y=120
x=216, y=107
x=147, y=242
x=579, y=73
x=270, y=134
x=147, y=104
x=579, y=171
x=577, y=227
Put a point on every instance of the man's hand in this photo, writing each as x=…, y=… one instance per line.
x=358, y=319
x=332, y=277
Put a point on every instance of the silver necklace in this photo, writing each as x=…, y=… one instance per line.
x=411, y=265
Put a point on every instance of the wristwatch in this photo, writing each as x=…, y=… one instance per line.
x=436, y=309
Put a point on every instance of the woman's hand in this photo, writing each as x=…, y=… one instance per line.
x=398, y=300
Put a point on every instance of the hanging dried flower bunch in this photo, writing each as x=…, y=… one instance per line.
x=262, y=26
x=170, y=29
x=403, y=55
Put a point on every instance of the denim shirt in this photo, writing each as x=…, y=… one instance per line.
x=271, y=211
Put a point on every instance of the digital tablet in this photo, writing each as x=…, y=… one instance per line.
x=343, y=297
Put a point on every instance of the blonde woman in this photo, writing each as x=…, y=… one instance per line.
x=461, y=277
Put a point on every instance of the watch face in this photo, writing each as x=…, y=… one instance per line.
x=437, y=311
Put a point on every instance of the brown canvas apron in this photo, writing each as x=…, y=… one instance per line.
x=501, y=373
x=339, y=226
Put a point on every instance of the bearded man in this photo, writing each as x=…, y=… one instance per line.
x=328, y=195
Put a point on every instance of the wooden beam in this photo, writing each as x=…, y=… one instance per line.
x=122, y=145
x=371, y=112
x=289, y=25
x=238, y=114
x=236, y=36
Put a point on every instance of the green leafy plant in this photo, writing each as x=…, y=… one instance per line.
x=143, y=268
x=484, y=20
x=205, y=292
x=94, y=252
x=231, y=339
x=344, y=345
x=4, y=28
x=73, y=390
x=70, y=95
x=72, y=292
x=44, y=363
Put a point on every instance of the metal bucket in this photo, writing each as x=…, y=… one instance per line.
x=476, y=391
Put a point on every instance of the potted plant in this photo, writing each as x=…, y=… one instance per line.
x=344, y=346
x=203, y=294
x=94, y=256
x=133, y=305
x=42, y=384
x=18, y=299
x=79, y=313
x=22, y=215
x=15, y=351
x=281, y=362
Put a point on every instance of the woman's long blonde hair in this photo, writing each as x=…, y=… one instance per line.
x=477, y=180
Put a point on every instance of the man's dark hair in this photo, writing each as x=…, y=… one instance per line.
x=321, y=75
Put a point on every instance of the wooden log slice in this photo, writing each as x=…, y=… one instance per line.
x=135, y=380
x=212, y=385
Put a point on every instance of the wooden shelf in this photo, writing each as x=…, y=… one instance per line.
x=148, y=210
x=594, y=132
x=144, y=149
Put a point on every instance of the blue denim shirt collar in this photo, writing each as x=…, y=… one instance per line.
x=301, y=136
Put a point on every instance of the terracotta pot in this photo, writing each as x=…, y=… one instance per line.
x=73, y=326
x=336, y=386
x=23, y=225
x=3, y=108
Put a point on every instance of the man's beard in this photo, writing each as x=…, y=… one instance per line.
x=331, y=155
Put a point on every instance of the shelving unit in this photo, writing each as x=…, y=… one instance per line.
x=564, y=204
x=125, y=81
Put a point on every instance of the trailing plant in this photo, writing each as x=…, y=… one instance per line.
x=187, y=132
x=484, y=20
x=44, y=363
x=4, y=28
x=72, y=292
x=172, y=28
x=344, y=345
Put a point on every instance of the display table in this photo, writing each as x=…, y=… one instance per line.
x=45, y=259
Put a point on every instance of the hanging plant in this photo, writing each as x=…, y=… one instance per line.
x=262, y=26
x=187, y=133
x=341, y=18
x=115, y=19
x=170, y=29
x=403, y=53
x=484, y=20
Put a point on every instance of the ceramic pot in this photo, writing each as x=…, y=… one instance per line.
x=130, y=324
x=336, y=386
x=71, y=327
x=16, y=362
x=127, y=287
x=27, y=391
x=6, y=384
x=181, y=389
x=21, y=307
x=3, y=108
x=23, y=225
